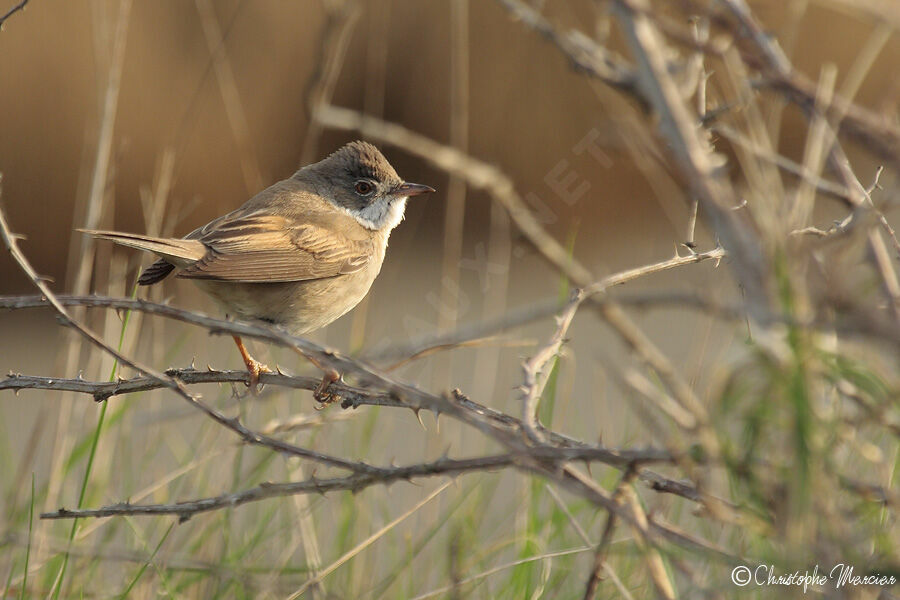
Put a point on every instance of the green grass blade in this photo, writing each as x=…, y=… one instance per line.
x=140, y=572
x=28, y=547
x=95, y=441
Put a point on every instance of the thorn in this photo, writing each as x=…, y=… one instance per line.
x=419, y=417
x=192, y=367
x=209, y=368
x=278, y=369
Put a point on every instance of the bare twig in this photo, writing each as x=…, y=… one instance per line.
x=534, y=366
x=103, y=390
x=355, y=482
x=584, y=54
x=822, y=185
x=879, y=134
x=12, y=11
x=477, y=174
x=536, y=310
x=693, y=155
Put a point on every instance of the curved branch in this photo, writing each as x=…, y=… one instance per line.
x=354, y=483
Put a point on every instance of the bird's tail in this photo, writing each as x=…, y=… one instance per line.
x=174, y=252
x=178, y=251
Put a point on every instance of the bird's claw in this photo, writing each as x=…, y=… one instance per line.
x=254, y=367
x=321, y=393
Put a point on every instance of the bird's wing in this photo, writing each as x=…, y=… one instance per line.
x=257, y=248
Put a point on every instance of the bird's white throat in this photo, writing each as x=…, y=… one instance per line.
x=380, y=214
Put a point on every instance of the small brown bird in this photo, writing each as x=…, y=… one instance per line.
x=297, y=255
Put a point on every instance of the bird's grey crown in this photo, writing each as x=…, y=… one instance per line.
x=362, y=160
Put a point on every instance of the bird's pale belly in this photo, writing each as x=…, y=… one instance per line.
x=297, y=306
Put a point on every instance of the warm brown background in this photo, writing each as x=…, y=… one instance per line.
x=527, y=111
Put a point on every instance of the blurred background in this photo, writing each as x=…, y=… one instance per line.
x=213, y=105
x=525, y=112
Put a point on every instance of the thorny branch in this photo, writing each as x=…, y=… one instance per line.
x=534, y=367
x=355, y=483
x=547, y=459
x=687, y=135
x=528, y=445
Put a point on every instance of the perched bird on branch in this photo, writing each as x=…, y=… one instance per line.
x=297, y=255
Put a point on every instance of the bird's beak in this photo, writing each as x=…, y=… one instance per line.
x=411, y=189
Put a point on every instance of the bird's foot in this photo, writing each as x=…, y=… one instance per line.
x=254, y=367
x=321, y=393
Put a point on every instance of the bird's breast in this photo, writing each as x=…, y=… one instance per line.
x=297, y=306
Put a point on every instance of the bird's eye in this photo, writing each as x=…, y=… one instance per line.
x=363, y=188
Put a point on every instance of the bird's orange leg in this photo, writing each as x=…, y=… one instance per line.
x=254, y=367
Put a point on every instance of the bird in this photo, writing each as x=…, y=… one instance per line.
x=297, y=255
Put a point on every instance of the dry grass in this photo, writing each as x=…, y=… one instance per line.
x=736, y=405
